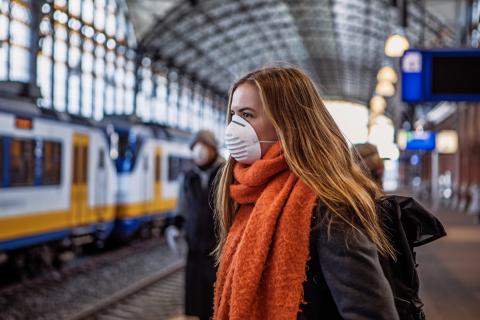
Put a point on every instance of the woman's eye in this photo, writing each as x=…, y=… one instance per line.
x=246, y=115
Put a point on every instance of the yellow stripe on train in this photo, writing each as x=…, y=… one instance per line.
x=42, y=222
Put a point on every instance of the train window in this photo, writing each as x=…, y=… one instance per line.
x=173, y=167
x=76, y=159
x=145, y=163
x=80, y=164
x=122, y=144
x=178, y=165
x=157, y=168
x=128, y=148
x=52, y=162
x=22, y=162
x=84, y=165
x=101, y=159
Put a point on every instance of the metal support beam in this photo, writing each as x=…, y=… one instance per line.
x=404, y=13
x=36, y=14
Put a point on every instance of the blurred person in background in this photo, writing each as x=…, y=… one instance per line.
x=369, y=158
x=196, y=209
x=299, y=233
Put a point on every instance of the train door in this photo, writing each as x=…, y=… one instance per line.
x=79, y=200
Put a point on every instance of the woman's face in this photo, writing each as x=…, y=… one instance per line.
x=246, y=103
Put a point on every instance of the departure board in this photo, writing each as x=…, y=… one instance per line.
x=456, y=75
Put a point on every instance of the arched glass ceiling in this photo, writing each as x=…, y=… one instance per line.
x=339, y=42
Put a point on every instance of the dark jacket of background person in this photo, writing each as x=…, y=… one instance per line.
x=195, y=205
x=344, y=282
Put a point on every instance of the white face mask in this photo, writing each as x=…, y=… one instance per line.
x=242, y=141
x=200, y=154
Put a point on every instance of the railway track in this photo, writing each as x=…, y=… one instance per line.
x=149, y=298
x=82, y=264
x=93, y=285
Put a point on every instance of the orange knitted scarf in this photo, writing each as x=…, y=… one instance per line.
x=263, y=263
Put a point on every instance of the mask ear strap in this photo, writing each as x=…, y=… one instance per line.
x=268, y=141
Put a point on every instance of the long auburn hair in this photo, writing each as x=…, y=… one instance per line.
x=315, y=150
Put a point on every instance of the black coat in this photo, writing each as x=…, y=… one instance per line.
x=344, y=278
x=195, y=204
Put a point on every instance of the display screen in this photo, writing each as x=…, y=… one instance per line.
x=455, y=75
x=23, y=123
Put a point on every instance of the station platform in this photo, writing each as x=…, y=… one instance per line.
x=449, y=269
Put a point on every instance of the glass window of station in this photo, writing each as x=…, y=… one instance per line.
x=87, y=65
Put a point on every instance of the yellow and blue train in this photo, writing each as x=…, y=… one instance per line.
x=69, y=181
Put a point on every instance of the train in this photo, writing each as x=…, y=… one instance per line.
x=67, y=182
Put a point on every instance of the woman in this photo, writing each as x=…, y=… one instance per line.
x=298, y=230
